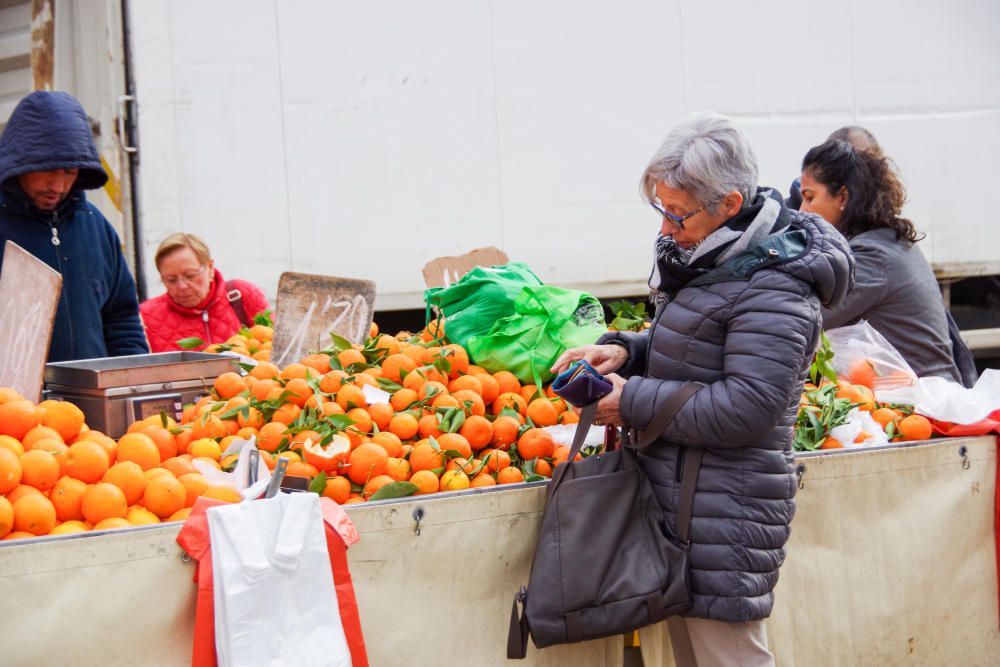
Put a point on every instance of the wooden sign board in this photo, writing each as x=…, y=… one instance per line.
x=311, y=307
x=446, y=271
x=29, y=296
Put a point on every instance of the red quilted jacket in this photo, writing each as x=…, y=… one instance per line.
x=213, y=321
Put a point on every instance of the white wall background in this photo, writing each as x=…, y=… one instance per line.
x=365, y=139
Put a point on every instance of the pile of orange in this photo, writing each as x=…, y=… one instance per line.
x=254, y=342
x=57, y=476
x=898, y=423
x=446, y=424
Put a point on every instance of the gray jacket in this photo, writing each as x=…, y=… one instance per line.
x=748, y=331
x=895, y=290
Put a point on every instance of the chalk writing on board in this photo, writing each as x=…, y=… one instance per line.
x=29, y=294
x=344, y=315
x=18, y=357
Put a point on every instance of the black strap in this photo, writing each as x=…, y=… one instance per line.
x=661, y=420
x=582, y=429
x=689, y=480
x=692, y=455
x=574, y=627
x=236, y=301
x=517, y=634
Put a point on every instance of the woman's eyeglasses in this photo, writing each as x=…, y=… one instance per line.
x=678, y=219
x=188, y=277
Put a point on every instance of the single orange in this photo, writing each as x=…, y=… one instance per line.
x=376, y=483
x=542, y=412
x=425, y=481
x=179, y=466
x=510, y=475
x=40, y=469
x=103, y=501
x=455, y=442
x=129, y=477
x=481, y=480
x=338, y=489
x=397, y=468
x=86, y=461
x=163, y=439
x=139, y=448
x=64, y=417
x=368, y=460
x=915, y=427
x=426, y=457
x=12, y=445
x=535, y=443
x=35, y=514
x=67, y=497
x=454, y=480
x=10, y=471
x=17, y=417
x=403, y=398
x=40, y=432
x=195, y=484
x=164, y=495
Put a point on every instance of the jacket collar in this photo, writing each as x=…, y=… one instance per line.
x=12, y=197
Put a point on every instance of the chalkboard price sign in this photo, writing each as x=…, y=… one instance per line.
x=311, y=307
x=29, y=295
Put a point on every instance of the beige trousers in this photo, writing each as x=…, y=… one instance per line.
x=699, y=642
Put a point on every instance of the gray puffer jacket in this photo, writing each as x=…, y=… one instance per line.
x=748, y=330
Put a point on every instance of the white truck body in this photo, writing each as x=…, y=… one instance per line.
x=365, y=139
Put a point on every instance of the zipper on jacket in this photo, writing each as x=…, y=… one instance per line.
x=62, y=293
x=652, y=328
x=679, y=473
x=208, y=332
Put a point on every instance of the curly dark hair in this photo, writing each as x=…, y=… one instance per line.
x=875, y=195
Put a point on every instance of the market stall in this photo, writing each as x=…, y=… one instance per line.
x=892, y=558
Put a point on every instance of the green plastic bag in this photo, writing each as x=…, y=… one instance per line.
x=547, y=321
x=480, y=298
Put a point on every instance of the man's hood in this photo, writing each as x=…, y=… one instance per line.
x=50, y=130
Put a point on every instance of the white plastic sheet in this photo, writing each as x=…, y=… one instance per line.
x=948, y=401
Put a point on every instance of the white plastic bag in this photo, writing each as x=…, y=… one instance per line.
x=948, y=401
x=862, y=356
x=237, y=479
x=562, y=434
x=860, y=423
x=275, y=600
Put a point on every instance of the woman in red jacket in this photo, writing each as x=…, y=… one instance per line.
x=199, y=302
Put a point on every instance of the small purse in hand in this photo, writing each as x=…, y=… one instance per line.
x=581, y=385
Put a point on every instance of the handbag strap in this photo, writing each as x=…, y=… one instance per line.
x=661, y=420
x=582, y=429
x=689, y=480
x=692, y=455
x=235, y=298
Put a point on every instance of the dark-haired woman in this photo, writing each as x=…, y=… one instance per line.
x=894, y=287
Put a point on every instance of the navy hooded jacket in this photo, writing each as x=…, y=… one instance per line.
x=98, y=313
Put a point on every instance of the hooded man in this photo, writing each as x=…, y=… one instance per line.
x=47, y=160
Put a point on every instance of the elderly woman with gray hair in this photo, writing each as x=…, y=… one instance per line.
x=741, y=279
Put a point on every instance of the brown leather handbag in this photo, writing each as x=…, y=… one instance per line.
x=604, y=564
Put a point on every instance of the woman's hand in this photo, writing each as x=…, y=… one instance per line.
x=608, y=411
x=604, y=358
